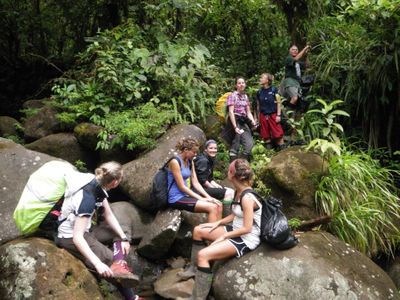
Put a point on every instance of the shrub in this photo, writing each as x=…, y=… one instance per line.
x=360, y=197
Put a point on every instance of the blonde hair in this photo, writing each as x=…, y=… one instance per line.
x=269, y=76
x=187, y=143
x=242, y=171
x=107, y=172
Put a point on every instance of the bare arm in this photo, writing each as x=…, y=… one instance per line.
x=83, y=247
x=176, y=172
x=248, y=205
x=196, y=184
x=302, y=53
x=250, y=115
x=232, y=116
x=114, y=224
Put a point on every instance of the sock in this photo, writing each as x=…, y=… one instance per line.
x=118, y=254
x=204, y=269
x=126, y=292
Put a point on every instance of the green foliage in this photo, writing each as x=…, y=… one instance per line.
x=294, y=223
x=261, y=158
x=81, y=166
x=15, y=138
x=358, y=194
x=356, y=57
x=320, y=122
x=246, y=37
x=137, y=129
x=123, y=68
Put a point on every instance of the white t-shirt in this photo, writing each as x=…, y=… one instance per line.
x=251, y=239
x=84, y=202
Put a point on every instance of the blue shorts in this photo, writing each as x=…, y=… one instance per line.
x=185, y=203
x=238, y=243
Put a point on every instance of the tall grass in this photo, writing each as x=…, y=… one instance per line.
x=360, y=196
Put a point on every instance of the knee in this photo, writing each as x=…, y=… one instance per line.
x=197, y=233
x=202, y=256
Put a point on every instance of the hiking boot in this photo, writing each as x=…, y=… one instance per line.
x=123, y=274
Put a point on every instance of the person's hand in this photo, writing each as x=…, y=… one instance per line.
x=213, y=200
x=103, y=270
x=218, y=186
x=307, y=48
x=211, y=226
x=278, y=119
x=238, y=130
x=125, y=245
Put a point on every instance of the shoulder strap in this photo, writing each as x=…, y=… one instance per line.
x=171, y=158
x=258, y=196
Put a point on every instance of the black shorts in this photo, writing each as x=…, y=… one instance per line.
x=238, y=243
x=185, y=203
x=217, y=193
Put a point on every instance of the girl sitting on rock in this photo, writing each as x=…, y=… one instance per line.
x=76, y=219
x=180, y=171
x=227, y=240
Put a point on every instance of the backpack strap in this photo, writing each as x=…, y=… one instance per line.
x=258, y=196
x=165, y=167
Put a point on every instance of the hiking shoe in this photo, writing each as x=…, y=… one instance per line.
x=123, y=274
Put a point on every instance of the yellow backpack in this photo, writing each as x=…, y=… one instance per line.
x=220, y=106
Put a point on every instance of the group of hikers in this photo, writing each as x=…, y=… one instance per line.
x=192, y=188
x=268, y=114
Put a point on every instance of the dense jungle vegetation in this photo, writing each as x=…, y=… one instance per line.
x=120, y=63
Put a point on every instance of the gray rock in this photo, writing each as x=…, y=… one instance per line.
x=64, y=146
x=133, y=221
x=37, y=269
x=147, y=271
x=138, y=174
x=293, y=176
x=320, y=267
x=86, y=134
x=394, y=271
x=170, y=286
x=34, y=104
x=212, y=127
x=16, y=165
x=8, y=126
x=160, y=234
x=41, y=124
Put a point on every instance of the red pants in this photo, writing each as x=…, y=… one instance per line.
x=269, y=129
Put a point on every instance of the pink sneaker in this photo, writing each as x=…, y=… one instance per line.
x=123, y=274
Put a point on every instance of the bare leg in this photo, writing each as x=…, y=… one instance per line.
x=213, y=210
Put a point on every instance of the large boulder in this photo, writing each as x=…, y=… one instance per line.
x=64, y=146
x=138, y=174
x=16, y=165
x=293, y=176
x=320, y=267
x=394, y=271
x=212, y=127
x=87, y=133
x=44, y=122
x=8, y=126
x=170, y=286
x=160, y=234
x=37, y=269
x=133, y=221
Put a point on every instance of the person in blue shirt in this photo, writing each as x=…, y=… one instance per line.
x=269, y=111
x=180, y=195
